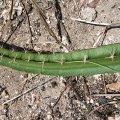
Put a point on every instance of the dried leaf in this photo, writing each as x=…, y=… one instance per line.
x=93, y=4
x=113, y=86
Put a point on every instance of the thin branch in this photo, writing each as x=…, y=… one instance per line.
x=108, y=25
x=28, y=23
x=60, y=25
x=103, y=79
x=80, y=98
x=26, y=81
x=99, y=41
x=29, y=90
x=43, y=18
x=92, y=23
x=68, y=84
x=112, y=102
x=19, y=23
x=11, y=9
x=110, y=95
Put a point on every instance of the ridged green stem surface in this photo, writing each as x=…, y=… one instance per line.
x=104, y=59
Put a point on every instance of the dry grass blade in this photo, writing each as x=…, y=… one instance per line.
x=43, y=18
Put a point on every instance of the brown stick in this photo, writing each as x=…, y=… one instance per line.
x=43, y=18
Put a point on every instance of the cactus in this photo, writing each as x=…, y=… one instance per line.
x=100, y=60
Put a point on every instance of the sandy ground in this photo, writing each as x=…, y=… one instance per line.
x=76, y=101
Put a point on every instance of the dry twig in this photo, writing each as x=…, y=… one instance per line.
x=28, y=8
x=112, y=102
x=28, y=23
x=68, y=84
x=91, y=23
x=43, y=18
x=29, y=90
x=11, y=9
x=106, y=25
x=110, y=95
